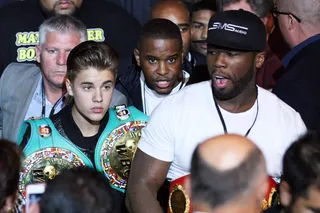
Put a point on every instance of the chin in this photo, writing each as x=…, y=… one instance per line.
x=164, y=91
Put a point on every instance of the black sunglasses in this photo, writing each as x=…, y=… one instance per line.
x=277, y=13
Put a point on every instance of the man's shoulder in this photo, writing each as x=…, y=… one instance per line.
x=194, y=93
x=105, y=9
x=18, y=11
x=20, y=72
x=274, y=105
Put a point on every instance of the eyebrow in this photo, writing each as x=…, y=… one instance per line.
x=90, y=83
x=183, y=25
x=197, y=22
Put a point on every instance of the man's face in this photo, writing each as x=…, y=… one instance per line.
x=239, y=5
x=53, y=54
x=92, y=92
x=231, y=71
x=199, y=30
x=283, y=23
x=161, y=63
x=309, y=204
x=61, y=6
x=182, y=20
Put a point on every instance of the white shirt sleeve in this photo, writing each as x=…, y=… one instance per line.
x=157, y=139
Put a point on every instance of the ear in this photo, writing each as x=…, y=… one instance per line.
x=285, y=195
x=260, y=57
x=137, y=56
x=38, y=52
x=291, y=21
x=69, y=87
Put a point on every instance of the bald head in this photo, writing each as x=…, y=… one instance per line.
x=226, y=152
x=307, y=10
x=227, y=168
x=177, y=12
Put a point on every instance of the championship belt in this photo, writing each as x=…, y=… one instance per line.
x=179, y=201
x=46, y=154
x=271, y=197
x=118, y=143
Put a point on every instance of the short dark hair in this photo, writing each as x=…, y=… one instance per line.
x=160, y=29
x=205, y=5
x=301, y=164
x=9, y=170
x=215, y=187
x=78, y=190
x=92, y=54
x=260, y=7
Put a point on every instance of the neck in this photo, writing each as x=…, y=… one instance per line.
x=306, y=33
x=241, y=103
x=88, y=128
x=53, y=93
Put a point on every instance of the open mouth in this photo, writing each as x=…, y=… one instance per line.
x=162, y=84
x=221, y=81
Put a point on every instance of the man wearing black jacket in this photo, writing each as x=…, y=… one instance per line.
x=158, y=72
x=19, y=23
x=299, y=87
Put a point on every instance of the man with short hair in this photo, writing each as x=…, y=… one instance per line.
x=177, y=12
x=228, y=174
x=200, y=16
x=299, y=187
x=159, y=72
x=29, y=91
x=80, y=190
x=106, y=22
x=272, y=67
x=229, y=103
x=299, y=22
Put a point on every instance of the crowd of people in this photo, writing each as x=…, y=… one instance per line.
x=206, y=106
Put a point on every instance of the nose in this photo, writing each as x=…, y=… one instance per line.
x=62, y=58
x=97, y=96
x=220, y=60
x=204, y=33
x=162, y=69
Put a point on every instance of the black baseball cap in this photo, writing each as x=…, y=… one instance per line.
x=237, y=29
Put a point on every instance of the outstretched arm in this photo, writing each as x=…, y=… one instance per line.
x=146, y=177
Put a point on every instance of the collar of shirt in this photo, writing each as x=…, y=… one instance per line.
x=35, y=106
x=287, y=58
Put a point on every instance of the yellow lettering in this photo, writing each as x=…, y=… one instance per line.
x=33, y=39
x=96, y=34
x=27, y=38
x=99, y=35
x=26, y=54
x=21, y=38
x=91, y=35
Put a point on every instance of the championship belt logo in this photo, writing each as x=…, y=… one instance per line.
x=179, y=201
x=118, y=151
x=271, y=197
x=45, y=164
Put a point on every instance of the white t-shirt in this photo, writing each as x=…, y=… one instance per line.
x=189, y=117
x=151, y=99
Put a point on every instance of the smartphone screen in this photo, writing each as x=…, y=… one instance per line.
x=34, y=194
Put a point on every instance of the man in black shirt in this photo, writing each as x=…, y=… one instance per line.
x=300, y=185
x=106, y=22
